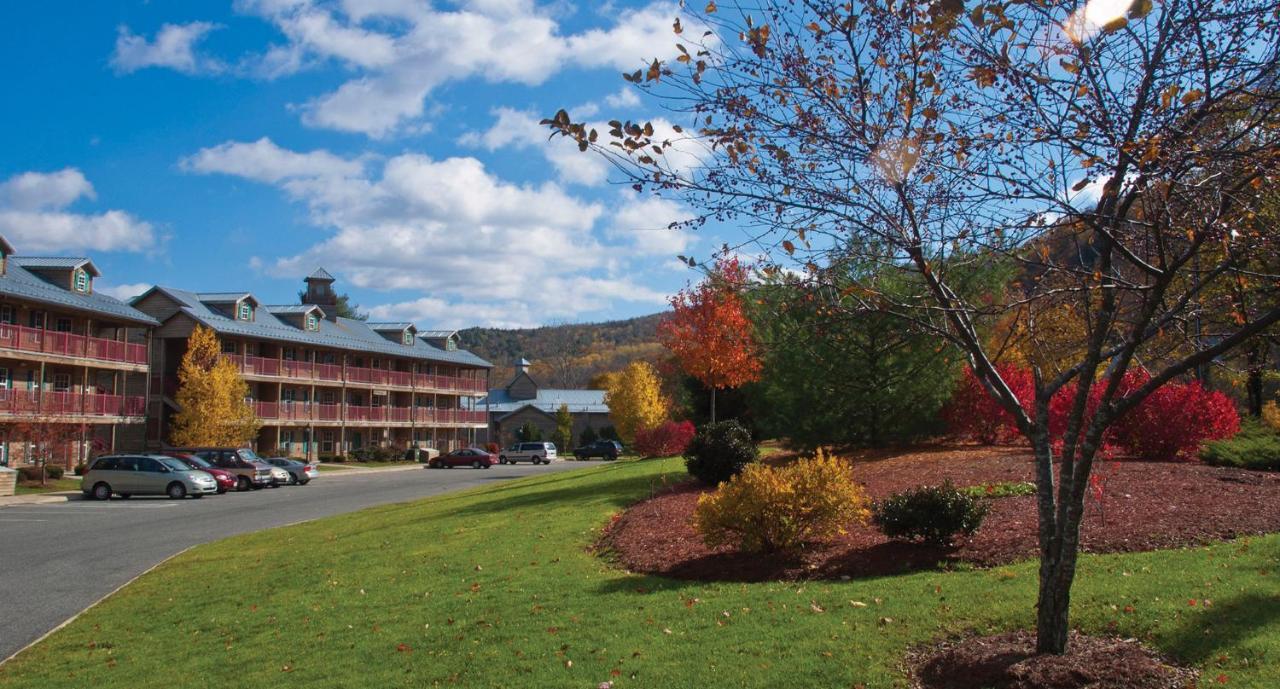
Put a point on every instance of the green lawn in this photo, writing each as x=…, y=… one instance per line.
x=495, y=588
x=52, y=486
x=366, y=465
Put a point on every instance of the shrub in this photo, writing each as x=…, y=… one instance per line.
x=1256, y=446
x=335, y=459
x=29, y=473
x=588, y=436
x=492, y=447
x=671, y=438
x=933, y=514
x=719, y=451
x=54, y=472
x=1271, y=415
x=779, y=509
x=81, y=468
x=1174, y=421
x=973, y=414
x=1003, y=489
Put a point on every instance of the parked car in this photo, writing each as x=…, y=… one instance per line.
x=127, y=475
x=604, y=449
x=538, y=453
x=226, y=480
x=474, y=457
x=421, y=455
x=279, y=477
x=300, y=473
x=242, y=462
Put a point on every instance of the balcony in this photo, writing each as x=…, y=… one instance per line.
x=305, y=370
x=35, y=340
x=355, y=414
x=58, y=404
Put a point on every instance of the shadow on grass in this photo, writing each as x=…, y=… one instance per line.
x=1202, y=636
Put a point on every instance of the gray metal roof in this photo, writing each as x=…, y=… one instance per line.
x=19, y=283
x=224, y=297
x=320, y=274
x=61, y=262
x=342, y=333
x=548, y=400
x=436, y=334
x=292, y=308
x=392, y=326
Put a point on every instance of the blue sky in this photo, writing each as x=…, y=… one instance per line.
x=240, y=144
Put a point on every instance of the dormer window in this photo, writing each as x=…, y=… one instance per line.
x=81, y=280
x=246, y=311
x=313, y=322
x=407, y=338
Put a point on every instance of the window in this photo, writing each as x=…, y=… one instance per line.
x=326, y=441
x=289, y=354
x=62, y=382
x=62, y=325
x=4, y=379
x=313, y=322
x=6, y=314
x=246, y=311
x=228, y=347
x=82, y=281
x=286, y=395
x=408, y=337
x=37, y=320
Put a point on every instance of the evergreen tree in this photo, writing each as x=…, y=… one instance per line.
x=564, y=429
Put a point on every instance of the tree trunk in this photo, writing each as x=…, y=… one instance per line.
x=1254, y=387
x=713, y=404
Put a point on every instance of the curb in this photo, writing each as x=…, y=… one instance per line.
x=93, y=605
x=367, y=471
x=39, y=499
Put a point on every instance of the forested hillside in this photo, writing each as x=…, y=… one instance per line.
x=569, y=355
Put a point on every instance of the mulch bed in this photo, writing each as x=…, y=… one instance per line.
x=1008, y=661
x=1145, y=506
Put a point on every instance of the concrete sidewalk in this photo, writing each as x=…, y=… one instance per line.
x=38, y=499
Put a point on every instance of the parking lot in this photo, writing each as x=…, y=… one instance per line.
x=57, y=559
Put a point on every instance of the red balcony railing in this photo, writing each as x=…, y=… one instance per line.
x=304, y=370
x=54, y=404
x=399, y=378
x=353, y=414
x=267, y=410
x=328, y=372
x=68, y=344
x=356, y=374
x=328, y=412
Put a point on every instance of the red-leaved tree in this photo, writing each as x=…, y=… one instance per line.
x=671, y=438
x=709, y=332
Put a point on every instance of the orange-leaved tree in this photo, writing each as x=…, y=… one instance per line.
x=709, y=332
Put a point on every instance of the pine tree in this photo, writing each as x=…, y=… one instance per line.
x=212, y=397
x=635, y=400
x=564, y=429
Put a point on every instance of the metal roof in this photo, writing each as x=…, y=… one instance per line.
x=224, y=297
x=297, y=309
x=60, y=262
x=320, y=274
x=548, y=400
x=19, y=283
x=436, y=334
x=392, y=326
x=342, y=333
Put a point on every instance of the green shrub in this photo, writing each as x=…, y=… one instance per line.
x=932, y=514
x=30, y=473
x=1003, y=489
x=81, y=468
x=779, y=509
x=719, y=452
x=54, y=472
x=1255, y=447
x=334, y=459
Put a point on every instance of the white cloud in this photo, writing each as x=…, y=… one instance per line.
x=122, y=292
x=264, y=161
x=625, y=98
x=645, y=224
x=174, y=47
x=518, y=129
x=398, y=52
x=34, y=216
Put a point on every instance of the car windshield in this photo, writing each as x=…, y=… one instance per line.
x=175, y=464
x=197, y=461
x=249, y=455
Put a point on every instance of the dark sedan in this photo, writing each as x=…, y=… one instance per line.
x=226, y=480
x=473, y=457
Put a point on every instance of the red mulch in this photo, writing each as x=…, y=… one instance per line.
x=1008, y=661
x=1146, y=506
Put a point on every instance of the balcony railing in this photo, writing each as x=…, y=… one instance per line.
x=69, y=344
x=55, y=404
x=304, y=370
x=360, y=414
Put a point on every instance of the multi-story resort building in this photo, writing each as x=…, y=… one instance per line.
x=73, y=363
x=322, y=384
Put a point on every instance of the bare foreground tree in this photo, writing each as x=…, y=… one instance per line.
x=1116, y=152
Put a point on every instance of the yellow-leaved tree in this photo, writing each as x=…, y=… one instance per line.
x=635, y=400
x=212, y=398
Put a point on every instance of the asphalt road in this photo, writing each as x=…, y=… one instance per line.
x=57, y=559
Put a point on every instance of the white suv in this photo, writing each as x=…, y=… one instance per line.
x=543, y=453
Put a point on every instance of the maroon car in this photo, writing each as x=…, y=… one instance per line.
x=226, y=480
x=473, y=457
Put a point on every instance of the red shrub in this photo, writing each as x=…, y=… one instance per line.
x=671, y=438
x=1173, y=421
x=974, y=414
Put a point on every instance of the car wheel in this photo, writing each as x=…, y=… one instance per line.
x=433, y=465
x=303, y=483
x=293, y=479
x=477, y=465
x=222, y=489
x=502, y=460
x=101, y=491
x=243, y=483
x=176, y=491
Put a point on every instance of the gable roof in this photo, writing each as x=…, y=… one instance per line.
x=225, y=297
x=393, y=327
x=57, y=262
x=437, y=334
x=341, y=333
x=20, y=283
x=321, y=274
x=548, y=400
x=292, y=309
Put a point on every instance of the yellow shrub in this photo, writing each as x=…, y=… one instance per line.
x=1271, y=415
x=778, y=509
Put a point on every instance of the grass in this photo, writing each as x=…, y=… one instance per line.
x=495, y=588
x=51, y=486
x=366, y=465
x=1003, y=489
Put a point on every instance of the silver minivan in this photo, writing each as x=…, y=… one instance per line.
x=127, y=475
x=538, y=453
